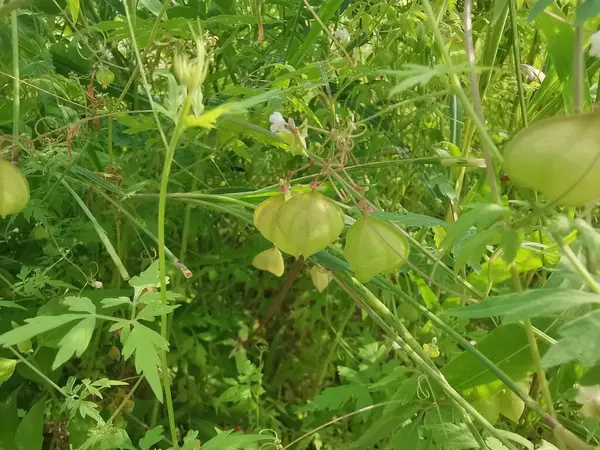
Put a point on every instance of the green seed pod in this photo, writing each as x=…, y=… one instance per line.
x=270, y=260
x=14, y=189
x=320, y=278
x=265, y=219
x=374, y=246
x=560, y=157
x=309, y=222
x=105, y=76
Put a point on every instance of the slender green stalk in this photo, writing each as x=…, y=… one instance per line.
x=517, y=59
x=162, y=209
x=37, y=371
x=16, y=80
x=394, y=328
x=578, y=68
x=579, y=267
x=456, y=86
x=125, y=400
x=477, y=105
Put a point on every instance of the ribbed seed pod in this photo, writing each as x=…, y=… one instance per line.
x=309, y=222
x=374, y=246
x=560, y=157
x=270, y=260
x=265, y=218
x=14, y=189
x=320, y=278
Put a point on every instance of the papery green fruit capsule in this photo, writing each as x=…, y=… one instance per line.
x=270, y=260
x=560, y=157
x=374, y=246
x=265, y=218
x=308, y=222
x=105, y=76
x=14, y=189
x=320, y=278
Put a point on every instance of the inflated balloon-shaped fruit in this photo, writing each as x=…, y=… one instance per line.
x=374, y=246
x=265, y=218
x=105, y=76
x=270, y=260
x=320, y=278
x=560, y=157
x=309, y=222
x=14, y=189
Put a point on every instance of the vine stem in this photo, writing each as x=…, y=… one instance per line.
x=397, y=331
x=16, y=80
x=477, y=105
x=517, y=57
x=162, y=208
x=578, y=68
x=457, y=87
x=37, y=371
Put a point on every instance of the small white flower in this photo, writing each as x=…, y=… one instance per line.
x=589, y=398
x=97, y=284
x=277, y=122
x=396, y=346
x=595, y=44
x=342, y=35
x=533, y=73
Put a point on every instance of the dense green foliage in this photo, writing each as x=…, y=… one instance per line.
x=133, y=314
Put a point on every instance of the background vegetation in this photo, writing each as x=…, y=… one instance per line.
x=148, y=137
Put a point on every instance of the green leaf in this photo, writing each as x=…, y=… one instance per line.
x=331, y=398
x=510, y=242
x=152, y=310
x=580, y=340
x=148, y=278
x=7, y=368
x=473, y=249
x=10, y=422
x=229, y=441
x=527, y=304
x=406, y=438
x=29, y=434
x=587, y=10
x=111, y=302
x=79, y=304
x=146, y=343
x=451, y=436
x=75, y=341
x=73, y=9
x=511, y=406
x=481, y=217
x=538, y=8
x=507, y=347
x=326, y=11
x=383, y=427
x=152, y=436
x=35, y=326
x=7, y=304
x=410, y=219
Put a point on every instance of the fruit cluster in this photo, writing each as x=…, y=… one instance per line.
x=305, y=223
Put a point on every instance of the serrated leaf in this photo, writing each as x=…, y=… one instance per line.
x=406, y=438
x=29, y=435
x=152, y=436
x=383, y=427
x=7, y=368
x=7, y=304
x=146, y=344
x=36, y=325
x=580, y=340
x=110, y=302
x=451, y=436
x=332, y=398
x=475, y=247
x=75, y=341
x=229, y=441
x=527, y=304
x=410, y=219
x=481, y=217
x=510, y=242
x=79, y=304
x=153, y=310
x=148, y=278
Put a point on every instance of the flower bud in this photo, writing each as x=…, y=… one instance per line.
x=374, y=246
x=308, y=222
x=270, y=260
x=14, y=189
